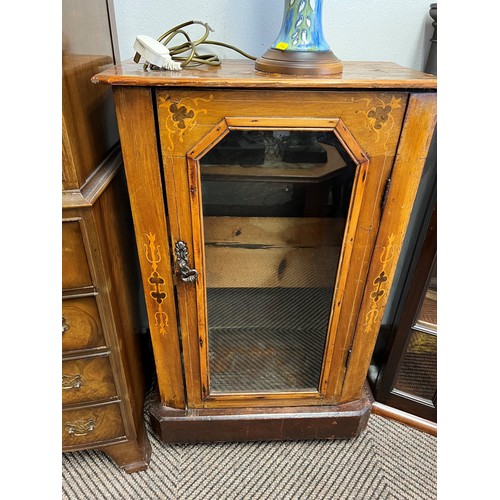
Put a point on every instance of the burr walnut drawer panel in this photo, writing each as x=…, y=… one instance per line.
x=75, y=265
x=91, y=425
x=81, y=325
x=87, y=379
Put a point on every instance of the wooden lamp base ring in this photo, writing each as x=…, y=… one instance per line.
x=299, y=62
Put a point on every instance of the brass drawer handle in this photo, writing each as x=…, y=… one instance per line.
x=80, y=427
x=185, y=272
x=65, y=326
x=72, y=382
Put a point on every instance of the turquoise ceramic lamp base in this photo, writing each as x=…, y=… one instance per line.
x=300, y=47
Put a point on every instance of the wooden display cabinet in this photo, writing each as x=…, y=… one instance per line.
x=269, y=213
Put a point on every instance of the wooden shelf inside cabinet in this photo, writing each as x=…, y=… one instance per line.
x=278, y=170
x=270, y=277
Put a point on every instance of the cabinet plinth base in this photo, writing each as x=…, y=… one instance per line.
x=261, y=424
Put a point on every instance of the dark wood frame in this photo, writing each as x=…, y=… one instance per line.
x=395, y=333
x=324, y=395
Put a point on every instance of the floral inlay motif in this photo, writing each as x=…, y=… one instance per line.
x=181, y=116
x=153, y=256
x=379, y=115
x=378, y=283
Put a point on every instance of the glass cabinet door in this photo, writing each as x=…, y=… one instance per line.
x=417, y=376
x=275, y=206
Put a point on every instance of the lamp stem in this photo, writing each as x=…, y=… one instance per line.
x=302, y=27
x=300, y=47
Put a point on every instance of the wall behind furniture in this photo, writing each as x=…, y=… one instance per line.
x=357, y=30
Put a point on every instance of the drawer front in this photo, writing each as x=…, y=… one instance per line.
x=87, y=379
x=81, y=325
x=75, y=265
x=87, y=426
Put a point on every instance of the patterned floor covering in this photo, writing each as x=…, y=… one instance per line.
x=387, y=461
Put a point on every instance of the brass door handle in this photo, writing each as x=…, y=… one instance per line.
x=184, y=271
x=65, y=326
x=72, y=382
x=80, y=427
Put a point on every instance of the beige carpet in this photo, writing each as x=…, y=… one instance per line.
x=388, y=461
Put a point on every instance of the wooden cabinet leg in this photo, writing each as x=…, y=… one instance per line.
x=132, y=456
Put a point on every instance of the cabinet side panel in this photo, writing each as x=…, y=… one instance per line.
x=140, y=155
x=120, y=260
x=412, y=152
x=89, y=123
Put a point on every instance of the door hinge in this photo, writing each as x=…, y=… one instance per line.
x=348, y=358
x=386, y=193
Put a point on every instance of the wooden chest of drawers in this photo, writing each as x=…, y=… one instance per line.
x=85, y=331
x=103, y=369
x=103, y=378
x=88, y=378
x=91, y=424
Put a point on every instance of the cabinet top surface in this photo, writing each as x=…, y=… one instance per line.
x=242, y=74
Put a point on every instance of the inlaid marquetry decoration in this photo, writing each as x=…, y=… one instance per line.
x=379, y=284
x=153, y=256
x=181, y=116
x=379, y=116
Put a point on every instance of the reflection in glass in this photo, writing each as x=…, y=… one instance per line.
x=427, y=317
x=418, y=372
x=275, y=205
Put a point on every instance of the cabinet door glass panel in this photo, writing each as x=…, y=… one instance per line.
x=275, y=205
